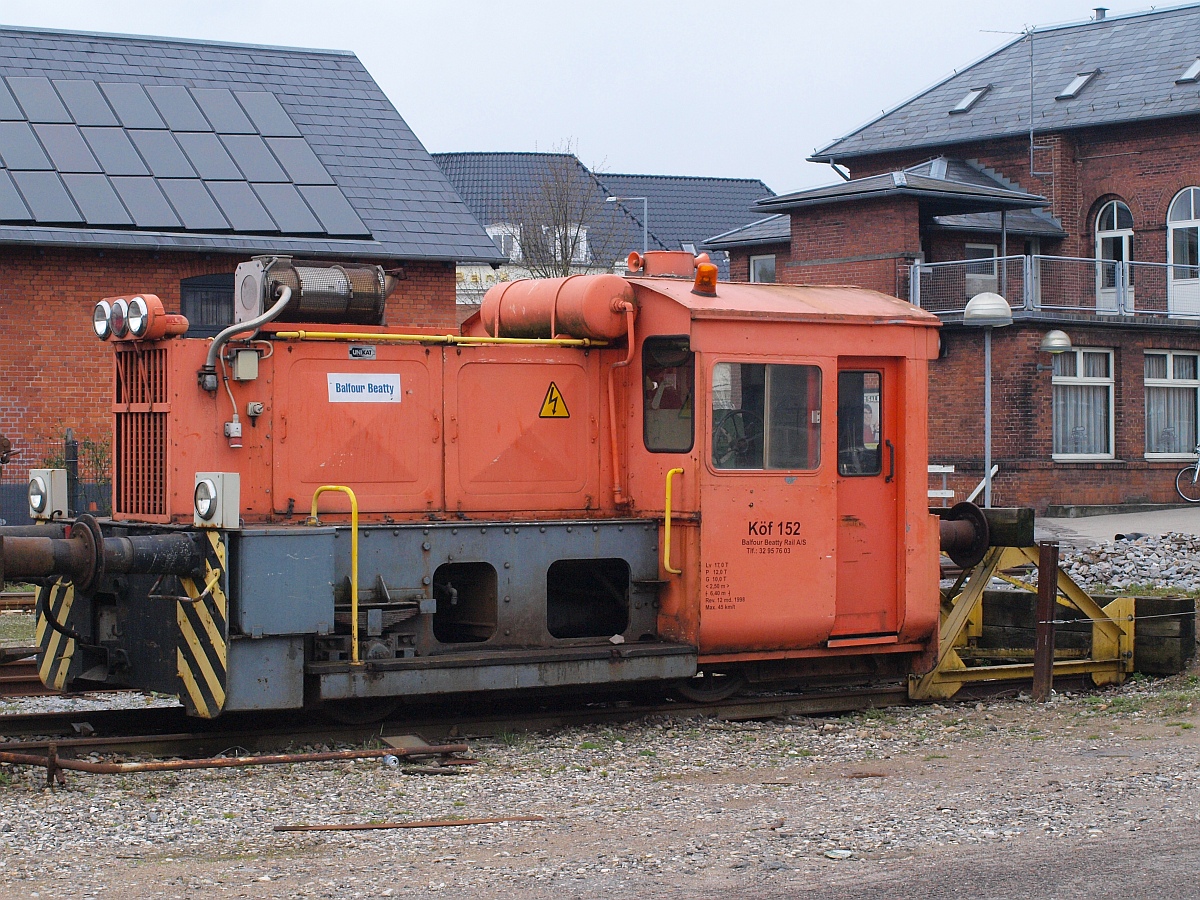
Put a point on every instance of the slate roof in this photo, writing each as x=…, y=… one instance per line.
x=940, y=183
x=776, y=229
x=1139, y=58
x=501, y=188
x=941, y=195
x=687, y=209
x=116, y=141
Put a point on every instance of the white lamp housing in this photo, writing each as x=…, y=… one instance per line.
x=987, y=309
x=217, y=500
x=47, y=494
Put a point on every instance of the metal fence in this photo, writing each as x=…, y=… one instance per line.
x=1102, y=287
x=88, y=462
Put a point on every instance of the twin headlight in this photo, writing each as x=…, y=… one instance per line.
x=135, y=319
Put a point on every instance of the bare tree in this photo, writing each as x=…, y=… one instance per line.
x=561, y=222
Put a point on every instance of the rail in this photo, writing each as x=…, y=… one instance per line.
x=313, y=520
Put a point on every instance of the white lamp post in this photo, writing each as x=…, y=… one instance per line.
x=645, y=217
x=987, y=311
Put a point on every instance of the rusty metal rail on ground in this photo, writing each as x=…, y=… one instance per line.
x=56, y=765
x=17, y=601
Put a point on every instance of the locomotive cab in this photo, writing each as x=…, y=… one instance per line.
x=600, y=480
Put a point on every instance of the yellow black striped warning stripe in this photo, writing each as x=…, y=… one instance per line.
x=55, y=651
x=203, y=621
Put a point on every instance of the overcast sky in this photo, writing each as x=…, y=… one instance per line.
x=735, y=89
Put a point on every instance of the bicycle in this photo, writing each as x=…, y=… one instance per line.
x=1187, y=482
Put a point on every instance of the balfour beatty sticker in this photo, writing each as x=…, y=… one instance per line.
x=360, y=388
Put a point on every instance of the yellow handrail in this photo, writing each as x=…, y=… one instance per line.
x=667, y=527
x=449, y=339
x=354, y=660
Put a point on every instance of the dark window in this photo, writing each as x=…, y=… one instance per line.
x=668, y=389
x=207, y=302
x=766, y=416
x=859, y=418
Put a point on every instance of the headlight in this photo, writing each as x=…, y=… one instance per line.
x=205, y=498
x=38, y=494
x=100, y=320
x=138, y=317
x=118, y=319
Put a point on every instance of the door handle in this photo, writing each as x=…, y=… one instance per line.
x=891, y=462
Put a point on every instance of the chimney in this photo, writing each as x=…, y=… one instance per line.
x=1099, y=13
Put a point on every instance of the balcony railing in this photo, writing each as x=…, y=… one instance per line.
x=1062, y=284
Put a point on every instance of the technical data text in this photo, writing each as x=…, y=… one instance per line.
x=718, y=594
x=772, y=537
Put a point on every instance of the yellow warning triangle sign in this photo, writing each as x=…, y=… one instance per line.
x=554, y=407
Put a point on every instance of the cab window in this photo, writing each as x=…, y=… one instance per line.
x=766, y=416
x=859, y=412
x=668, y=386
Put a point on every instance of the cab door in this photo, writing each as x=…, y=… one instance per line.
x=868, y=520
x=767, y=506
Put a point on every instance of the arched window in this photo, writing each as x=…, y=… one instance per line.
x=1183, y=252
x=1114, y=244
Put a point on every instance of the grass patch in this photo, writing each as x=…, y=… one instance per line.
x=16, y=629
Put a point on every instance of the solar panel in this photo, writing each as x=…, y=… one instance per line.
x=222, y=111
x=268, y=116
x=208, y=156
x=178, y=107
x=194, y=205
x=253, y=157
x=96, y=199
x=85, y=102
x=67, y=149
x=12, y=207
x=45, y=195
x=133, y=107
x=162, y=154
x=287, y=208
x=299, y=160
x=241, y=207
x=9, y=111
x=36, y=95
x=334, y=211
x=19, y=148
x=115, y=151
x=145, y=203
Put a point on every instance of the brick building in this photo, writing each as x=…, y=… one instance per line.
x=145, y=164
x=1112, y=258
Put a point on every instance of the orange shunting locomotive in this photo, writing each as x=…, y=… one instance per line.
x=602, y=479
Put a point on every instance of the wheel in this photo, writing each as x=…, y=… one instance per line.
x=738, y=441
x=1187, y=484
x=707, y=686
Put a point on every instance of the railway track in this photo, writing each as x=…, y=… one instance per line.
x=167, y=731
x=17, y=601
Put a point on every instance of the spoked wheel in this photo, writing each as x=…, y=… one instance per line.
x=1187, y=484
x=738, y=440
x=360, y=711
x=707, y=686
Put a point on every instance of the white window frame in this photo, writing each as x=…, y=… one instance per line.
x=1183, y=293
x=993, y=251
x=753, y=273
x=1116, y=233
x=1172, y=382
x=1109, y=382
x=508, y=234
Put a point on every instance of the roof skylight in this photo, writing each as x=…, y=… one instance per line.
x=1191, y=76
x=972, y=97
x=1072, y=90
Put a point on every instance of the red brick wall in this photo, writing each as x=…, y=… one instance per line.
x=1022, y=418
x=54, y=374
x=1144, y=164
x=739, y=260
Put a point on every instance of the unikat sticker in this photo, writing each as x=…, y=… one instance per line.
x=554, y=407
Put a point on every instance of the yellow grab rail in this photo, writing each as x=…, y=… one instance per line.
x=667, y=526
x=353, y=559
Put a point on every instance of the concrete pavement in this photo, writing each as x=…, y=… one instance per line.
x=1087, y=531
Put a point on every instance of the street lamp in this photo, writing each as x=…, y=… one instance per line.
x=645, y=217
x=987, y=311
